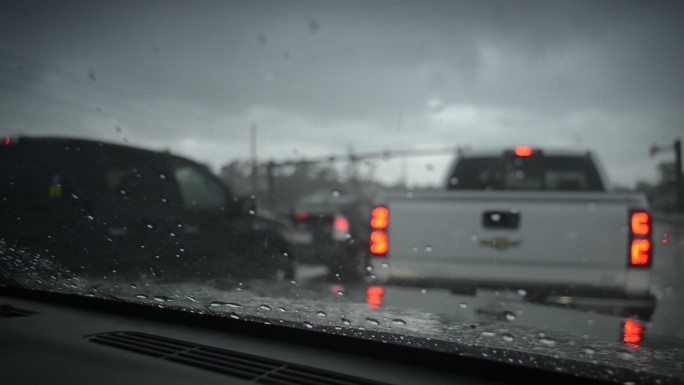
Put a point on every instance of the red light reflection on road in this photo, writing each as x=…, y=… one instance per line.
x=374, y=296
x=632, y=332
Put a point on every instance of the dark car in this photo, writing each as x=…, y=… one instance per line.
x=333, y=232
x=112, y=209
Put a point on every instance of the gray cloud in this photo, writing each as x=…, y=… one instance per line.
x=317, y=77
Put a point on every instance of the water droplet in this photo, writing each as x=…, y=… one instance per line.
x=385, y=264
x=90, y=217
x=373, y=321
x=134, y=286
x=335, y=193
x=113, y=271
x=510, y=316
x=340, y=292
x=251, y=212
x=474, y=237
x=141, y=296
x=282, y=309
x=398, y=321
x=74, y=196
x=508, y=337
x=191, y=298
x=369, y=268
x=428, y=249
x=162, y=176
x=322, y=314
x=346, y=321
x=308, y=325
x=172, y=234
x=149, y=226
x=423, y=291
x=522, y=292
x=488, y=334
x=588, y=350
x=414, y=249
x=265, y=307
x=590, y=321
x=234, y=316
x=547, y=341
x=462, y=305
x=626, y=356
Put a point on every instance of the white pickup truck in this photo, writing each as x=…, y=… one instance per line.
x=522, y=219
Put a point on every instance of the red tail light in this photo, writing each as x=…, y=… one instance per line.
x=640, y=252
x=301, y=215
x=523, y=151
x=640, y=247
x=379, y=243
x=341, y=224
x=632, y=332
x=6, y=141
x=379, y=218
x=640, y=223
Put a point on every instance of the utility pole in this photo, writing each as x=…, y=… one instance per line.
x=680, y=177
x=253, y=150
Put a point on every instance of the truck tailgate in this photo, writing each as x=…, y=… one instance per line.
x=566, y=238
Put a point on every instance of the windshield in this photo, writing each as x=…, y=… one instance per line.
x=487, y=177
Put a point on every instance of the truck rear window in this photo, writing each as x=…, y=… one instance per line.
x=537, y=173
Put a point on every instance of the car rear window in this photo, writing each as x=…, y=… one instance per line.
x=536, y=173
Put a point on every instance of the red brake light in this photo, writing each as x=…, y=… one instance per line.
x=641, y=224
x=640, y=252
x=379, y=243
x=341, y=224
x=379, y=218
x=301, y=215
x=523, y=151
x=6, y=141
x=632, y=332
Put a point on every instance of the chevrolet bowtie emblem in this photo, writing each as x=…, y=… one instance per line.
x=499, y=243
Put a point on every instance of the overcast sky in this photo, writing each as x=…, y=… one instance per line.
x=319, y=78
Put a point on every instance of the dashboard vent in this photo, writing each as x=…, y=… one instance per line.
x=252, y=368
x=7, y=310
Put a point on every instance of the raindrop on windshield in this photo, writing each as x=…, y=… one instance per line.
x=373, y=321
x=588, y=350
x=547, y=341
x=162, y=176
x=134, y=286
x=508, y=337
x=90, y=217
x=191, y=298
x=369, y=268
x=398, y=321
x=149, y=226
x=428, y=249
x=340, y=292
x=282, y=309
x=488, y=334
x=346, y=321
x=385, y=264
x=335, y=193
x=321, y=314
x=161, y=298
x=141, y=296
x=510, y=316
x=308, y=324
x=265, y=307
x=234, y=316
x=522, y=292
x=463, y=305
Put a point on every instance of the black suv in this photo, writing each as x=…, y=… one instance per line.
x=100, y=208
